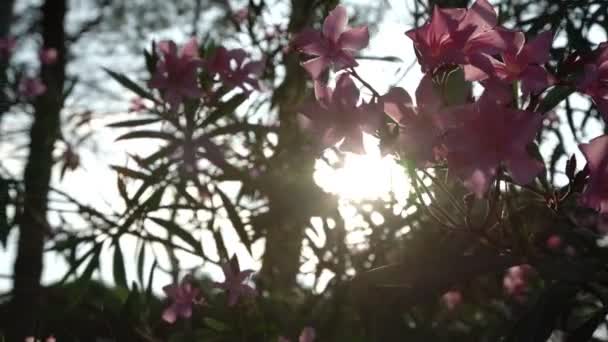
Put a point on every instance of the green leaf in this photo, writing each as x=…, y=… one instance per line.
x=151, y=279
x=235, y=218
x=151, y=59
x=134, y=123
x=224, y=109
x=141, y=261
x=216, y=325
x=127, y=83
x=456, y=89
x=180, y=232
x=556, y=95
x=120, y=276
x=92, y=265
x=147, y=135
x=129, y=172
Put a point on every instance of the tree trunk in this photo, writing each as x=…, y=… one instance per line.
x=33, y=224
x=6, y=19
x=294, y=196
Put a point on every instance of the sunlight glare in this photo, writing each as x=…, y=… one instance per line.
x=362, y=177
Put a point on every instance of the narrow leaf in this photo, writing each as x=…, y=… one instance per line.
x=235, y=218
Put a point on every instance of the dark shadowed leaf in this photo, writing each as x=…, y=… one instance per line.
x=175, y=229
x=126, y=82
x=147, y=135
x=120, y=276
x=224, y=109
x=235, y=218
x=133, y=123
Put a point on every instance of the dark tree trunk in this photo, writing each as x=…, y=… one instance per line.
x=294, y=197
x=33, y=224
x=6, y=19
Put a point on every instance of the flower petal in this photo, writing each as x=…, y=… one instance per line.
x=316, y=66
x=524, y=168
x=398, y=105
x=596, y=153
x=354, y=39
x=535, y=79
x=169, y=314
x=481, y=16
x=335, y=23
x=537, y=51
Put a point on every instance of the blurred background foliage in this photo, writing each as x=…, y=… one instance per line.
x=242, y=168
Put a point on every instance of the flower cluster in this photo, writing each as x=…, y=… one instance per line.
x=477, y=138
x=176, y=73
x=184, y=296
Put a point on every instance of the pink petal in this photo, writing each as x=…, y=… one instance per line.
x=481, y=16
x=535, y=79
x=167, y=47
x=169, y=315
x=524, y=168
x=427, y=98
x=307, y=335
x=479, y=181
x=343, y=60
x=335, y=23
x=171, y=290
x=323, y=93
x=354, y=39
x=484, y=64
x=311, y=42
x=185, y=310
x=346, y=92
x=537, y=51
x=190, y=49
x=473, y=73
x=519, y=41
x=398, y=104
x=316, y=66
x=490, y=42
x=596, y=153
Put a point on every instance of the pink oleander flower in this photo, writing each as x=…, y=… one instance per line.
x=336, y=114
x=453, y=35
x=31, y=87
x=554, y=242
x=594, y=80
x=452, y=299
x=308, y=335
x=48, y=56
x=137, y=105
x=235, y=69
x=7, y=45
x=234, y=282
x=595, y=194
x=420, y=127
x=516, y=281
x=176, y=75
x=491, y=135
x=182, y=296
x=521, y=62
x=335, y=44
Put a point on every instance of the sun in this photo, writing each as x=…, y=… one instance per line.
x=369, y=176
